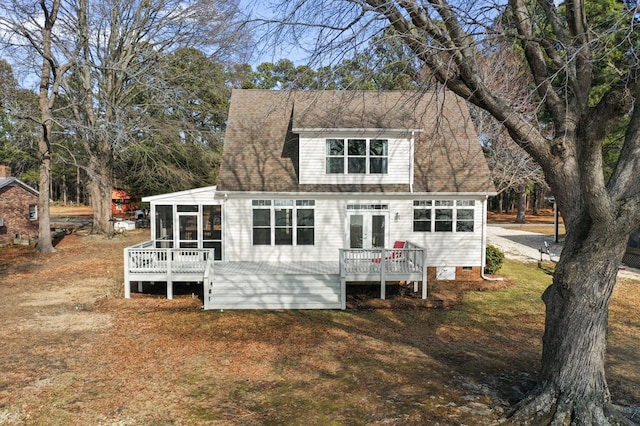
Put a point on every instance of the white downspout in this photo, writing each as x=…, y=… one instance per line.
x=225, y=232
x=483, y=254
x=411, y=160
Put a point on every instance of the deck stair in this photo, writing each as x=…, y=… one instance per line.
x=235, y=287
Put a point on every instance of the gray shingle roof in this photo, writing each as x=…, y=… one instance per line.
x=261, y=147
x=12, y=181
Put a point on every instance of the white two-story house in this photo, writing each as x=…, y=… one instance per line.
x=324, y=177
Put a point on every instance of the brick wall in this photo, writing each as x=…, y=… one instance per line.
x=472, y=274
x=14, y=209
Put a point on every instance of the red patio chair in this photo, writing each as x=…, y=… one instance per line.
x=394, y=254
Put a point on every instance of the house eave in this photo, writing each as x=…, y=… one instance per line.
x=353, y=131
x=170, y=195
x=351, y=195
x=6, y=182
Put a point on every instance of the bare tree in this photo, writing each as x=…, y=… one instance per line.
x=565, y=51
x=512, y=169
x=29, y=28
x=113, y=50
x=114, y=87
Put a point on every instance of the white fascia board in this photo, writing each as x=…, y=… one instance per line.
x=350, y=195
x=172, y=195
x=352, y=131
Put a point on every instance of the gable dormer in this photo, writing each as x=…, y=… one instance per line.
x=348, y=138
x=356, y=156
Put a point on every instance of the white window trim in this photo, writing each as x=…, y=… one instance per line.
x=453, y=205
x=367, y=156
x=33, y=212
x=272, y=206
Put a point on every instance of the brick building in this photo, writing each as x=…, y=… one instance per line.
x=18, y=208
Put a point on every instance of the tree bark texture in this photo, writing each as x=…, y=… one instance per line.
x=522, y=205
x=46, y=97
x=99, y=187
x=572, y=387
x=45, y=242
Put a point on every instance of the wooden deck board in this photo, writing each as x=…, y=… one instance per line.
x=276, y=268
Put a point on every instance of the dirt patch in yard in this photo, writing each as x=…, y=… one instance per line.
x=441, y=295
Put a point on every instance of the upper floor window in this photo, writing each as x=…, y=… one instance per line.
x=443, y=216
x=357, y=156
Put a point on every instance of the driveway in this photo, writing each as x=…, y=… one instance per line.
x=521, y=245
x=525, y=246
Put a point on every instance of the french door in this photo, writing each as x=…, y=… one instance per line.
x=367, y=229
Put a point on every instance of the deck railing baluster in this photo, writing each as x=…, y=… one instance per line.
x=384, y=264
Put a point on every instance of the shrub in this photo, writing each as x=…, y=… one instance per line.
x=495, y=258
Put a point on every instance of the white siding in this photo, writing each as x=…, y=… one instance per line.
x=239, y=234
x=443, y=248
x=313, y=155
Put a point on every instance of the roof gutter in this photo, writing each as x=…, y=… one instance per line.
x=411, y=160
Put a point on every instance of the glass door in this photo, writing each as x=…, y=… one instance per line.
x=367, y=230
x=188, y=227
x=212, y=229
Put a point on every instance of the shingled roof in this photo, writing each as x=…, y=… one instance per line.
x=6, y=182
x=261, y=143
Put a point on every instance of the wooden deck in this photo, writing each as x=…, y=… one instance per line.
x=271, y=268
x=273, y=285
x=144, y=263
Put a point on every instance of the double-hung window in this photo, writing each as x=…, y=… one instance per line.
x=443, y=215
x=422, y=216
x=283, y=222
x=261, y=222
x=464, y=216
x=357, y=156
x=443, y=218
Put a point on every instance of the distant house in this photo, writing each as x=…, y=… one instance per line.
x=337, y=187
x=18, y=208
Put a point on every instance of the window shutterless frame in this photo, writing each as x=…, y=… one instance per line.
x=283, y=222
x=356, y=156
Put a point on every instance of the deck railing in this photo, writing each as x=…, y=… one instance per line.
x=143, y=262
x=407, y=263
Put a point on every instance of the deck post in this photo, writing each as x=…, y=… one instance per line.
x=383, y=283
x=424, y=273
x=343, y=280
x=169, y=277
x=127, y=284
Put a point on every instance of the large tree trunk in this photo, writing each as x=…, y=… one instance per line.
x=572, y=387
x=99, y=187
x=45, y=243
x=522, y=205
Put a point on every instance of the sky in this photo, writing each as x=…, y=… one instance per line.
x=265, y=52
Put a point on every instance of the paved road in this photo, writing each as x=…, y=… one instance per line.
x=525, y=246
x=521, y=245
